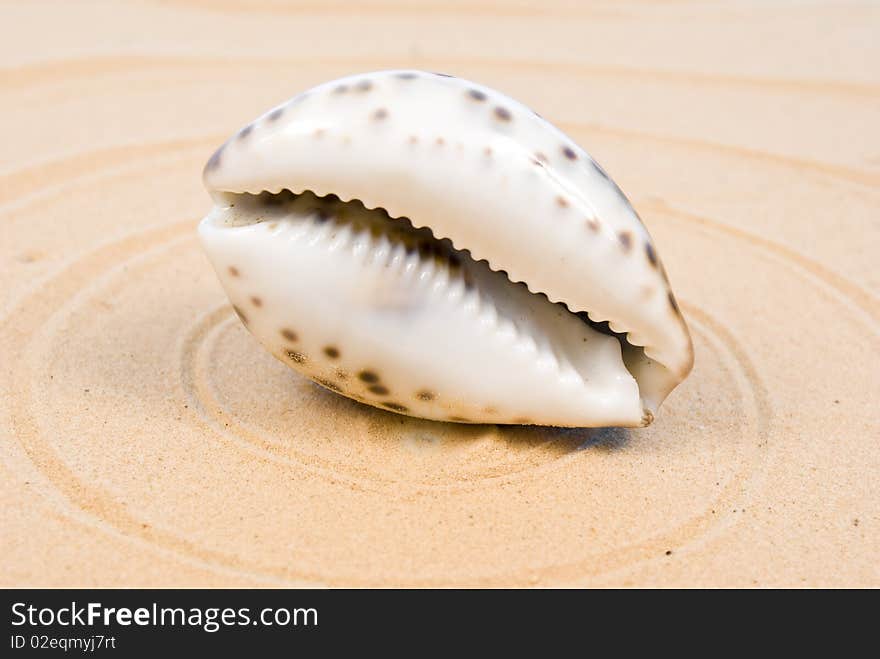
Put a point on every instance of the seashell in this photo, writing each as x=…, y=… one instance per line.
x=429, y=246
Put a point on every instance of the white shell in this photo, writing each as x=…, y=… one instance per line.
x=345, y=295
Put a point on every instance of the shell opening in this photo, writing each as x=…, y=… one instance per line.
x=247, y=208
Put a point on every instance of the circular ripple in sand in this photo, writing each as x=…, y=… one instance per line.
x=329, y=490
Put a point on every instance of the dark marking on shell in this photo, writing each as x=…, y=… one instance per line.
x=600, y=171
x=406, y=75
x=651, y=254
x=440, y=141
x=523, y=421
x=503, y=114
x=296, y=356
x=593, y=225
x=426, y=394
x=244, y=132
x=234, y=271
x=332, y=352
x=289, y=335
x=256, y=301
x=673, y=303
x=443, y=75
x=397, y=407
x=368, y=376
x=569, y=153
x=322, y=214
x=380, y=114
x=477, y=95
x=275, y=114
x=364, y=86
x=459, y=419
x=340, y=89
x=378, y=389
x=241, y=315
x=541, y=157
x=625, y=238
x=562, y=202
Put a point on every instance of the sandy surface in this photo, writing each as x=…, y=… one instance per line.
x=146, y=439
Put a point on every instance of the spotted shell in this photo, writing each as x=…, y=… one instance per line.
x=427, y=245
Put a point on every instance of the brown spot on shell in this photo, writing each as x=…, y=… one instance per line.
x=459, y=419
x=233, y=271
x=625, y=238
x=241, y=315
x=425, y=394
x=440, y=141
x=256, y=301
x=523, y=421
x=380, y=114
x=378, y=389
x=593, y=225
x=651, y=254
x=569, y=153
x=503, y=114
x=340, y=89
x=296, y=356
x=275, y=114
x=340, y=374
x=332, y=352
x=562, y=202
x=368, y=376
x=397, y=407
x=477, y=95
x=673, y=303
x=289, y=335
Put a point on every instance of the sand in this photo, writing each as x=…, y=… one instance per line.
x=146, y=439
